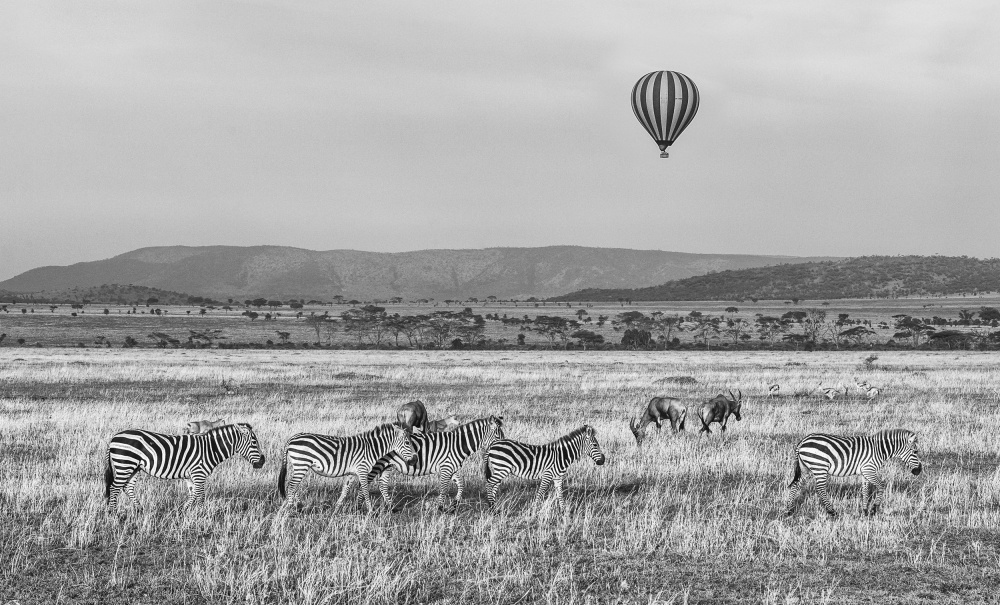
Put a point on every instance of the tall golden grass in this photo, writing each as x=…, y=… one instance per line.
x=687, y=519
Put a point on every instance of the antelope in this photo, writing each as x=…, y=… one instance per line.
x=832, y=392
x=412, y=415
x=873, y=393
x=658, y=410
x=442, y=425
x=197, y=427
x=863, y=386
x=719, y=409
x=772, y=390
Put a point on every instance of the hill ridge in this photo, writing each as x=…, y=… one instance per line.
x=856, y=277
x=222, y=271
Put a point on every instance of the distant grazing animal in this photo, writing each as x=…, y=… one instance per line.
x=873, y=393
x=719, y=409
x=825, y=455
x=548, y=462
x=338, y=456
x=658, y=410
x=229, y=388
x=440, y=453
x=202, y=426
x=772, y=390
x=442, y=425
x=412, y=415
x=832, y=392
x=190, y=457
x=863, y=386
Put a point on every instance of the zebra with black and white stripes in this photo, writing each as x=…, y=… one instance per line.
x=548, y=462
x=440, y=453
x=190, y=457
x=865, y=455
x=338, y=456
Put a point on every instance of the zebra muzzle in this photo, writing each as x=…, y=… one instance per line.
x=259, y=463
x=917, y=470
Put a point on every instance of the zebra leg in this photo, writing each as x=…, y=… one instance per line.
x=348, y=481
x=364, y=487
x=871, y=478
x=444, y=487
x=458, y=486
x=794, y=488
x=196, y=489
x=824, y=496
x=543, y=488
x=492, y=485
x=129, y=488
x=557, y=485
x=383, y=488
x=295, y=476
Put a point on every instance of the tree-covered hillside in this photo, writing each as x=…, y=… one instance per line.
x=107, y=294
x=860, y=277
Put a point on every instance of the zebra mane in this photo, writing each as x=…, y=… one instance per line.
x=572, y=435
x=219, y=429
x=894, y=432
x=381, y=428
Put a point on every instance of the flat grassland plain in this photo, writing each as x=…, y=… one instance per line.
x=686, y=519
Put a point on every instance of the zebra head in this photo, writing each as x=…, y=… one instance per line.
x=248, y=446
x=735, y=403
x=595, y=448
x=403, y=445
x=496, y=430
x=908, y=453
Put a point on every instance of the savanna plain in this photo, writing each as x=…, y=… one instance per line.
x=687, y=518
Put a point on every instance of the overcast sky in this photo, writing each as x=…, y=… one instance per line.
x=825, y=128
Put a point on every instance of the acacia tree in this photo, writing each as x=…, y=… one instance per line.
x=911, y=327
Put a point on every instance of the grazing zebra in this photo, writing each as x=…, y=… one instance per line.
x=338, y=456
x=548, y=462
x=190, y=457
x=772, y=390
x=441, y=453
x=825, y=455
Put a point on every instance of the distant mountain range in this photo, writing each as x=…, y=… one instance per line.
x=860, y=277
x=223, y=272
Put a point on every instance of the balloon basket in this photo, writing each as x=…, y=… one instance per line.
x=664, y=154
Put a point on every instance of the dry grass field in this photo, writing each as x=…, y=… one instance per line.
x=688, y=519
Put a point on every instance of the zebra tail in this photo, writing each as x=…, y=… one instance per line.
x=797, y=473
x=684, y=415
x=282, y=473
x=109, y=477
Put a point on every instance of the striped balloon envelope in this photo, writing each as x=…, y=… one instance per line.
x=665, y=102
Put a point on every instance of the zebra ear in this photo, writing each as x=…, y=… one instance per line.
x=243, y=428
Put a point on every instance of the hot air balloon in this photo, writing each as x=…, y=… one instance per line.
x=665, y=102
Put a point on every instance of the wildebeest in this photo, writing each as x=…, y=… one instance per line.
x=412, y=415
x=658, y=410
x=442, y=425
x=197, y=427
x=719, y=409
